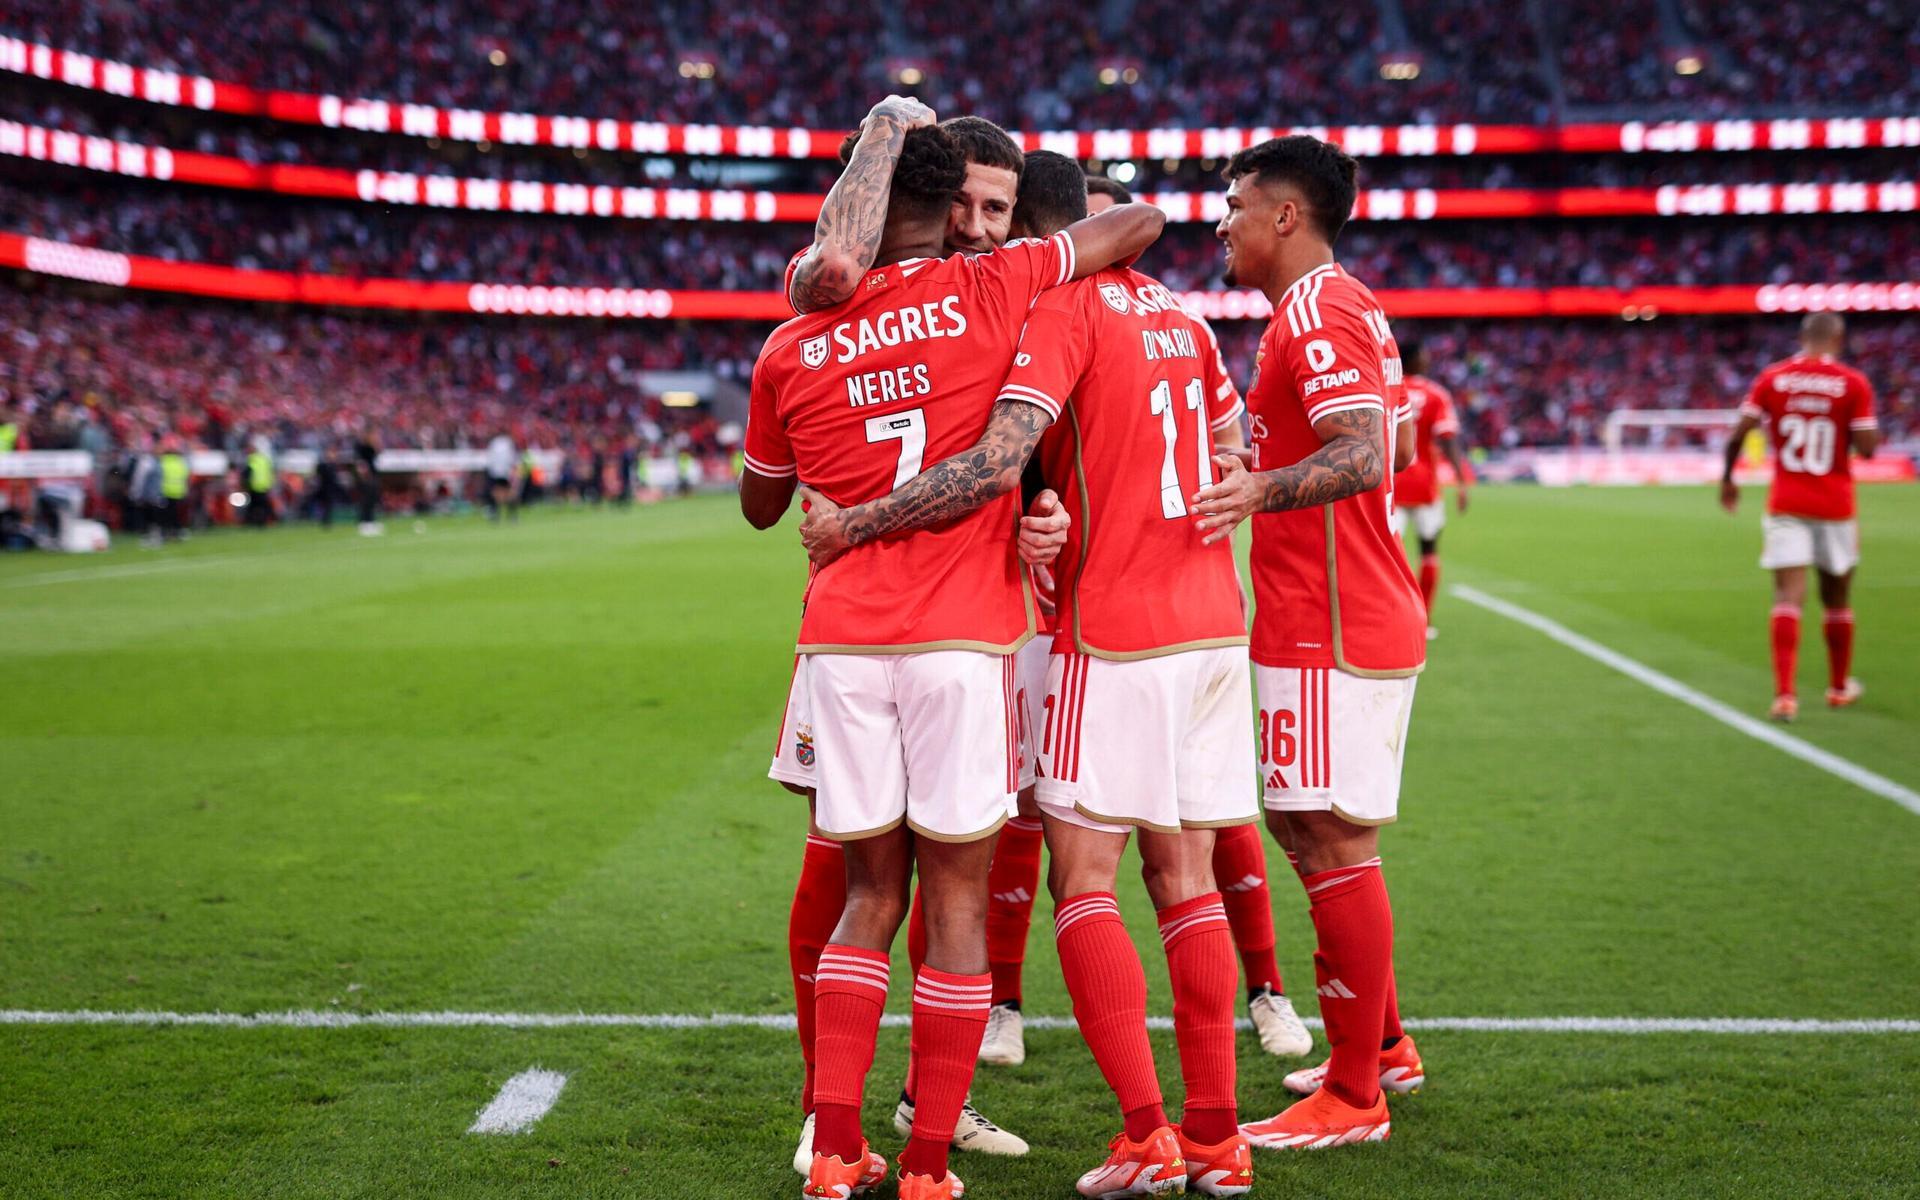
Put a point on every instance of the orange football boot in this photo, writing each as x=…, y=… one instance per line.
x=1222, y=1170
x=1841, y=697
x=1786, y=709
x=832, y=1178
x=1320, y=1121
x=1149, y=1167
x=1401, y=1072
x=926, y=1187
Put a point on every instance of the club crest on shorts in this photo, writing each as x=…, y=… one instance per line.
x=1115, y=296
x=803, y=752
x=813, y=352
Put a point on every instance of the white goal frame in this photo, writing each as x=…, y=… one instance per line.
x=1621, y=419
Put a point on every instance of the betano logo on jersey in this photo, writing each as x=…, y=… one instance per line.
x=896, y=327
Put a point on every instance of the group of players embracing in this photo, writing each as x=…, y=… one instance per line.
x=1022, y=463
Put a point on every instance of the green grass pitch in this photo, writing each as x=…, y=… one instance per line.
x=521, y=770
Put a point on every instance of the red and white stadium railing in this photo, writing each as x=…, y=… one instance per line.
x=757, y=141
x=520, y=299
x=139, y=161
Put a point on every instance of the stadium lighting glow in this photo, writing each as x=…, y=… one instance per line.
x=680, y=399
x=497, y=57
x=911, y=76
x=1122, y=172
x=1109, y=76
x=1400, y=70
x=1130, y=76
x=238, y=499
x=1688, y=64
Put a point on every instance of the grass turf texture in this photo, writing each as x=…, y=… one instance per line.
x=521, y=768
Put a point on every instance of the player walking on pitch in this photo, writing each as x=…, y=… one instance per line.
x=908, y=642
x=1417, y=493
x=1339, y=629
x=1147, y=695
x=1819, y=413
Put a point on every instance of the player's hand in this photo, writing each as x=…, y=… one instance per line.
x=1043, y=531
x=1221, y=506
x=905, y=111
x=1729, y=495
x=1460, y=499
x=823, y=531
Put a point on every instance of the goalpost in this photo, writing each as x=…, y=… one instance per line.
x=1621, y=420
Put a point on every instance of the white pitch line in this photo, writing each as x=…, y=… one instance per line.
x=334, y=1019
x=1753, y=727
x=522, y=1101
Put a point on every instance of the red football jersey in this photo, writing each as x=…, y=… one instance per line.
x=1135, y=386
x=1811, y=405
x=1433, y=415
x=859, y=398
x=1331, y=585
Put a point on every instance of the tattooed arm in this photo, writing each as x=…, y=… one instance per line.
x=1349, y=461
x=847, y=236
x=989, y=468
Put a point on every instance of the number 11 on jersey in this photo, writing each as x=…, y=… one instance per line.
x=1173, y=500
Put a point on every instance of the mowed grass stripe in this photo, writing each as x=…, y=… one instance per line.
x=1740, y=722
x=336, y=1019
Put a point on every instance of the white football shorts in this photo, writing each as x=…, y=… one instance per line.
x=1830, y=546
x=929, y=739
x=1333, y=742
x=1428, y=519
x=1159, y=743
x=1030, y=697
x=794, y=752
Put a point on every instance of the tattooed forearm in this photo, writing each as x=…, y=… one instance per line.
x=954, y=488
x=1349, y=463
x=846, y=239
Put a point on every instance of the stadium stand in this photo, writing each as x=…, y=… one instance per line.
x=1579, y=85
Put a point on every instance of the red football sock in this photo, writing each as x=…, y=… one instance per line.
x=1109, y=991
x=818, y=898
x=916, y=958
x=1786, y=647
x=1240, y=864
x=1200, y=965
x=850, y=989
x=949, y=1017
x=1354, y=965
x=1838, y=627
x=1429, y=581
x=1390, y=1028
x=1011, y=883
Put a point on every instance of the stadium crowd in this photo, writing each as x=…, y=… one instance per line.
x=1126, y=63
x=87, y=371
x=270, y=233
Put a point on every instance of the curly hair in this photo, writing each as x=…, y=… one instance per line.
x=931, y=171
x=1324, y=173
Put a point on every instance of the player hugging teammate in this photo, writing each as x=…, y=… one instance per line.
x=911, y=399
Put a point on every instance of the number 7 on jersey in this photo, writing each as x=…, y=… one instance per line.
x=909, y=428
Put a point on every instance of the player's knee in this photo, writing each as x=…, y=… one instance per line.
x=1278, y=827
x=1174, y=883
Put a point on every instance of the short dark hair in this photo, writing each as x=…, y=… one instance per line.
x=1053, y=194
x=983, y=142
x=1325, y=173
x=928, y=176
x=1106, y=185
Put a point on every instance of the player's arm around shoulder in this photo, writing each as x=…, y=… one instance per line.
x=846, y=238
x=944, y=492
x=1114, y=237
